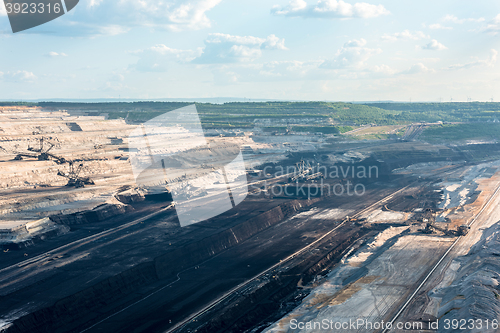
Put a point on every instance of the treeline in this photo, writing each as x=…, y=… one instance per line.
x=446, y=112
x=460, y=132
x=17, y=104
x=230, y=115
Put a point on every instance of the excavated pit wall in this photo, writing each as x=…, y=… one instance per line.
x=30, y=233
x=215, y=244
x=475, y=291
x=98, y=214
x=75, y=311
x=265, y=304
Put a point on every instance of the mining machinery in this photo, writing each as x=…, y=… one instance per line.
x=304, y=171
x=301, y=171
x=186, y=191
x=314, y=176
x=461, y=230
x=73, y=176
x=428, y=216
x=430, y=228
x=42, y=152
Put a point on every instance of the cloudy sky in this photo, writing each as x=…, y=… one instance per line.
x=259, y=49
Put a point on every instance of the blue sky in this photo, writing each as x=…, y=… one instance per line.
x=274, y=49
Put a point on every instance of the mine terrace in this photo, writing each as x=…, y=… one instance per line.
x=373, y=212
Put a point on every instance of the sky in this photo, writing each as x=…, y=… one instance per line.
x=324, y=50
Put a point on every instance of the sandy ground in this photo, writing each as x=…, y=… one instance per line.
x=31, y=189
x=369, y=283
x=465, y=286
x=385, y=216
x=376, y=279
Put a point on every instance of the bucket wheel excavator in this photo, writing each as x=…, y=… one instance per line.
x=42, y=152
x=73, y=176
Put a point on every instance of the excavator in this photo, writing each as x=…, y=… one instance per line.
x=304, y=171
x=461, y=230
x=42, y=153
x=73, y=176
x=429, y=218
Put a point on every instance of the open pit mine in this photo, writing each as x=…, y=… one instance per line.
x=327, y=231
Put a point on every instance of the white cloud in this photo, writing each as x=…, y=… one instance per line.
x=110, y=30
x=405, y=35
x=438, y=26
x=189, y=15
x=294, y=70
x=56, y=54
x=417, y=69
x=117, y=77
x=382, y=70
x=493, y=27
x=273, y=42
x=181, y=55
x=435, y=46
x=330, y=9
x=113, y=86
x=19, y=76
x=93, y=3
x=224, y=76
x=490, y=62
x=454, y=19
x=224, y=48
x=114, y=17
x=356, y=43
x=273, y=71
x=244, y=52
x=387, y=71
x=3, y=12
x=288, y=69
x=352, y=55
x=219, y=49
x=158, y=57
x=24, y=75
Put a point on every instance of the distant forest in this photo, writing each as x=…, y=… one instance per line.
x=328, y=118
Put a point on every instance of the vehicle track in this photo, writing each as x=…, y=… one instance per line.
x=434, y=268
x=52, y=254
x=20, y=271
x=214, y=303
